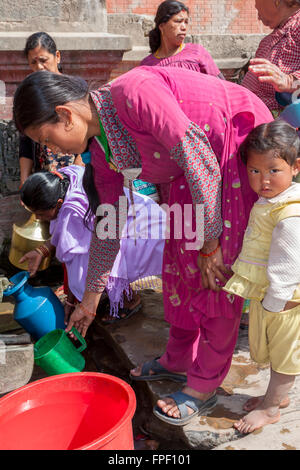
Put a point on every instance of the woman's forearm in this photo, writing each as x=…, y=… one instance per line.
x=90, y=300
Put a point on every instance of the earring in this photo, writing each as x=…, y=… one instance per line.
x=277, y=2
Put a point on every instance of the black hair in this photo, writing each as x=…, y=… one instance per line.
x=42, y=190
x=164, y=12
x=91, y=192
x=43, y=40
x=36, y=98
x=291, y=3
x=277, y=135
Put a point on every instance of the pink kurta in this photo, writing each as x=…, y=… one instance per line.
x=185, y=128
x=193, y=57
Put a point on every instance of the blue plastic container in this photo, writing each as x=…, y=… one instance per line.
x=37, y=309
x=291, y=114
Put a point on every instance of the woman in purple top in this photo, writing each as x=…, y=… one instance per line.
x=167, y=45
x=168, y=125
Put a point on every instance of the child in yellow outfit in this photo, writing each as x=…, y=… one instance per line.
x=267, y=271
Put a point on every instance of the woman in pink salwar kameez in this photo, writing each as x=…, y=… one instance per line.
x=181, y=127
x=166, y=42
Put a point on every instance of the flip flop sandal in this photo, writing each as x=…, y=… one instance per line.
x=185, y=401
x=125, y=312
x=159, y=373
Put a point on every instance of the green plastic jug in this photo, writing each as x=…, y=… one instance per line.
x=56, y=354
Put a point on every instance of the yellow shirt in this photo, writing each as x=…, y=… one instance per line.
x=250, y=279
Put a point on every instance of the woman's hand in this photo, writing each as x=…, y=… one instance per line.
x=270, y=73
x=80, y=319
x=212, y=268
x=34, y=260
x=68, y=310
x=69, y=305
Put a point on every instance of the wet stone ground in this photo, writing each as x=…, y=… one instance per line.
x=117, y=348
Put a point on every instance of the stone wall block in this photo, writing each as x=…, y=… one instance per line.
x=9, y=164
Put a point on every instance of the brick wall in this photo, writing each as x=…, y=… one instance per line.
x=94, y=66
x=207, y=16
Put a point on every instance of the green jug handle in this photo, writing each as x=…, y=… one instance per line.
x=80, y=339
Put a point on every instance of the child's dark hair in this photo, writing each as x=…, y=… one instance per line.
x=42, y=190
x=164, y=12
x=43, y=40
x=36, y=98
x=277, y=135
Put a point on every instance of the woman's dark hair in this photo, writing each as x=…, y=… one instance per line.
x=42, y=190
x=91, y=192
x=291, y=3
x=277, y=135
x=38, y=95
x=43, y=40
x=164, y=12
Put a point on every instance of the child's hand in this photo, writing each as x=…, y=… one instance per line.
x=34, y=260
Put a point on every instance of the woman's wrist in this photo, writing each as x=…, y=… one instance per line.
x=43, y=251
x=209, y=246
x=86, y=311
x=90, y=301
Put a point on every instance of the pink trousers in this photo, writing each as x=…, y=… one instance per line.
x=205, y=353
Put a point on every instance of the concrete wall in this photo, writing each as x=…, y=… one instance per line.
x=55, y=15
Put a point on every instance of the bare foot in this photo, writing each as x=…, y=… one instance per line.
x=168, y=405
x=256, y=419
x=255, y=402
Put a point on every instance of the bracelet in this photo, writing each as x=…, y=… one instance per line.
x=43, y=250
x=86, y=311
x=39, y=252
x=207, y=255
x=69, y=303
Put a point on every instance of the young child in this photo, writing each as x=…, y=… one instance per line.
x=267, y=270
x=59, y=197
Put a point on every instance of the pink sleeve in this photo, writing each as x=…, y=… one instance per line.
x=207, y=64
x=151, y=107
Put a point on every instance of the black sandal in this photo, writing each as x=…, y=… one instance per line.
x=125, y=312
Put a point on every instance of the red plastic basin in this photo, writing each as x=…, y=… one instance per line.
x=83, y=410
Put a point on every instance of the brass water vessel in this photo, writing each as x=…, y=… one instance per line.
x=26, y=238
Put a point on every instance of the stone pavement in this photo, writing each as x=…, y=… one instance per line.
x=117, y=348
x=143, y=337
